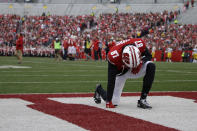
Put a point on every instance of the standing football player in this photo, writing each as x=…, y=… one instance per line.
x=127, y=59
x=19, y=48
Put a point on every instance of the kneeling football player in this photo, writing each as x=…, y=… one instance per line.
x=127, y=59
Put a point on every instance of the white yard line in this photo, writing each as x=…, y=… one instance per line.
x=49, y=70
x=179, y=71
x=14, y=67
x=20, y=75
x=55, y=63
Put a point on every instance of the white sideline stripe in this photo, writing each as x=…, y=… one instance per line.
x=54, y=70
x=86, y=93
x=56, y=82
x=20, y=75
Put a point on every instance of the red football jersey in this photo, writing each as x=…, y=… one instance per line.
x=19, y=43
x=115, y=53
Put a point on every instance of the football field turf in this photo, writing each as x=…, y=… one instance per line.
x=44, y=75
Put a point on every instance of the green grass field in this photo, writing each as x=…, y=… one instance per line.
x=48, y=76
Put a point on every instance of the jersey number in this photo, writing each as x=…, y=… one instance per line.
x=138, y=43
x=114, y=54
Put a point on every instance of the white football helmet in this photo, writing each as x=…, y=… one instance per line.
x=131, y=56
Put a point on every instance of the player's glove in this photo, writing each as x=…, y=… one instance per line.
x=110, y=105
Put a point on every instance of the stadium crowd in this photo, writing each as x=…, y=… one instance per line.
x=41, y=31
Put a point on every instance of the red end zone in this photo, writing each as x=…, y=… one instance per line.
x=92, y=118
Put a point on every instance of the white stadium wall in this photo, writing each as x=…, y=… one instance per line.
x=80, y=9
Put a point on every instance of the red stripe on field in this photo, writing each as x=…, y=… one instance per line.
x=92, y=118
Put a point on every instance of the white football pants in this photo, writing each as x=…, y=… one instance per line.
x=120, y=82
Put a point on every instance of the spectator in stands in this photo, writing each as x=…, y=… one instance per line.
x=187, y=4
x=169, y=54
x=57, y=47
x=71, y=51
x=194, y=54
x=65, y=45
x=153, y=52
x=40, y=30
x=95, y=46
x=183, y=56
x=100, y=49
x=192, y=3
x=87, y=48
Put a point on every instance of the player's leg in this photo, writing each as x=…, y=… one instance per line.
x=55, y=54
x=148, y=80
x=148, y=72
x=19, y=56
x=147, y=84
x=59, y=55
x=119, y=85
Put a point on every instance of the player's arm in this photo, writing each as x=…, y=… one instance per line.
x=112, y=72
x=146, y=55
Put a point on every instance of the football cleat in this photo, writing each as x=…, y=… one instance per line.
x=143, y=104
x=110, y=105
x=97, y=96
